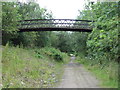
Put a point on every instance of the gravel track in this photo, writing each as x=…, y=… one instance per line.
x=76, y=76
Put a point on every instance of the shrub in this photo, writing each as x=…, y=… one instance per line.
x=58, y=57
x=56, y=54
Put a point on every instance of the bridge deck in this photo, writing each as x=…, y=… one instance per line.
x=55, y=25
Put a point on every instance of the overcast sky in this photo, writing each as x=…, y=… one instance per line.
x=63, y=9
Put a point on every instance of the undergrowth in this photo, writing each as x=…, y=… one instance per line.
x=31, y=68
x=0, y=77
x=107, y=74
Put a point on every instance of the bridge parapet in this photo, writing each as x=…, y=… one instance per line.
x=55, y=24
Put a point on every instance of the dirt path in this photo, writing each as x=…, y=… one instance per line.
x=75, y=76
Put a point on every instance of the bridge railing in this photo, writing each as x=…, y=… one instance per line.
x=55, y=23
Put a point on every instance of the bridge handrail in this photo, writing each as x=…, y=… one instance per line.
x=55, y=19
x=54, y=23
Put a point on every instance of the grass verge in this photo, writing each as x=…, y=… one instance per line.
x=24, y=68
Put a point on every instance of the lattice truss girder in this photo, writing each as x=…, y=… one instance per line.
x=55, y=23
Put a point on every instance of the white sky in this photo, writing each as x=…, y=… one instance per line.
x=62, y=9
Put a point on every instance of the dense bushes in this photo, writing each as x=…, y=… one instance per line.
x=9, y=22
x=53, y=53
x=102, y=43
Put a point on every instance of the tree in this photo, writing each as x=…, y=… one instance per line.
x=12, y=13
x=9, y=21
x=102, y=43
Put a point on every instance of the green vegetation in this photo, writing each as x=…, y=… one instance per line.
x=12, y=13
x=52, y=53
x=102, y=56
x=26, y=68
x=39, y=60
x=102, y=43
x=108, y=76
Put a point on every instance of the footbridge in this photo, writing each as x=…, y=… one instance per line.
x=55, y=25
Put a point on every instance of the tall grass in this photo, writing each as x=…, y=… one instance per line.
x=24, y=68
